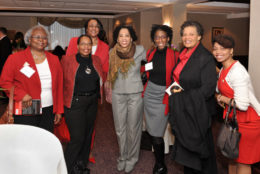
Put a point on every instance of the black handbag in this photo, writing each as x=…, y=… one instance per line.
x=229, y=136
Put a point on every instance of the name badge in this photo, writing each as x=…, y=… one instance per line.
x=27, y=71
x=148, y=66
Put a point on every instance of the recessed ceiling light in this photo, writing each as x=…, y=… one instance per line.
x=51, y=5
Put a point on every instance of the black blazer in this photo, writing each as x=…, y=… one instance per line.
x=191, y=109
x=5, y=51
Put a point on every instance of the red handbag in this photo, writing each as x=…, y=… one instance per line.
x=62, y=132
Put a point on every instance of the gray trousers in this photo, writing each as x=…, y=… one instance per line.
x=128, y=118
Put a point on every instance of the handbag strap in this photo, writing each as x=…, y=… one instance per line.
x=234, y=116
x=11, y=105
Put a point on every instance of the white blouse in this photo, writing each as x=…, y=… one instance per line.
x=94, y=49
x=239, y=80
x=46, y=83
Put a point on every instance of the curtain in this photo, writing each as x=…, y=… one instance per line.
x=68, y=22
x=61, y=35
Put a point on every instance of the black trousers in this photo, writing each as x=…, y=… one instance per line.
x=45, y=121
x=80, y=119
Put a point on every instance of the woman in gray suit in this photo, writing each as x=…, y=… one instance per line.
x=127, y=103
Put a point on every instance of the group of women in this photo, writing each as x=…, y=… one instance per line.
x=88, y=65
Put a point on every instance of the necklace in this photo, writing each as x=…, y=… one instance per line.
x=87, y=70
x=36, y=57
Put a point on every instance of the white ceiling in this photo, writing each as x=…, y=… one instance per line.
x=109, y=8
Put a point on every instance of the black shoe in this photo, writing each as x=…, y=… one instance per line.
x=76, y=170
x=80, y=168
x=159, y=169
x=86, y=171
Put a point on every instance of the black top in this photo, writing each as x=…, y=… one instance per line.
x=87, y=79
x=158, y=73
x=5, y=51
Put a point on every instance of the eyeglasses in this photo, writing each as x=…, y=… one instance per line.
x=39, y=37
x=160, y=37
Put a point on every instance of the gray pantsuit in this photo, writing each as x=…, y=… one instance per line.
x=128, y=119
x=127, y=105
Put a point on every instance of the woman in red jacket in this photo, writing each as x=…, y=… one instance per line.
x=83, y=81
x=36, y=74
x=94, y=29
x=162, y=59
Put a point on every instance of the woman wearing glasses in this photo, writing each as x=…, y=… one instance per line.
x=83, y=77
x=36, y=74
x=162, y=59
x=94, y=29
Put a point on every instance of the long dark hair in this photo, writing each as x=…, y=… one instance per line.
x=102, y=33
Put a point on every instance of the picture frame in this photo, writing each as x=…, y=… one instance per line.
x=216, y=31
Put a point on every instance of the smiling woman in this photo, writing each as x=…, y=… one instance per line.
x=83, y=83
x=127, y=103
x=162, y=59
x=191, y=109
x=36, y=75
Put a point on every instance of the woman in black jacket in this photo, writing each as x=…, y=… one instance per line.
x=191, y=107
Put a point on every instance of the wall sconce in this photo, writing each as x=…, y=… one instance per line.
x=129, y=21
x=117, y=23
x=167, y=23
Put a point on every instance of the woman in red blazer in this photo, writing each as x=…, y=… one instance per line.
x=36, y=74
x=83, y=83
x=94, y=29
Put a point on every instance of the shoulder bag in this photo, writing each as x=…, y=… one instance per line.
x=229, y=136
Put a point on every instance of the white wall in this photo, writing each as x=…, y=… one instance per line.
x=254, y=43
x=237, y=28
x=148, y=18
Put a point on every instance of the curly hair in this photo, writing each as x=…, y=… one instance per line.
x=102, y=32
x=165, y=28
x=129, y=28
x=195, y=24
x=224, y=40
x=28, y=33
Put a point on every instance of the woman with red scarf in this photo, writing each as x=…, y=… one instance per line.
x=192, y=105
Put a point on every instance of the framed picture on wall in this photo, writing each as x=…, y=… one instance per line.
x=216, y=31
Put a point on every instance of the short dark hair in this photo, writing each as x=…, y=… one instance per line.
x=102, y=32
x=129, y=28
x=83, y=35
x=195, y=24
x=224, y=40
x=165, y=28
x=3, y=30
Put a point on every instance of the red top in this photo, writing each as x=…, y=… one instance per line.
x=11, y=76
x=102, y=52
x=171, y=59
x=225, y=90
x=184, y=57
